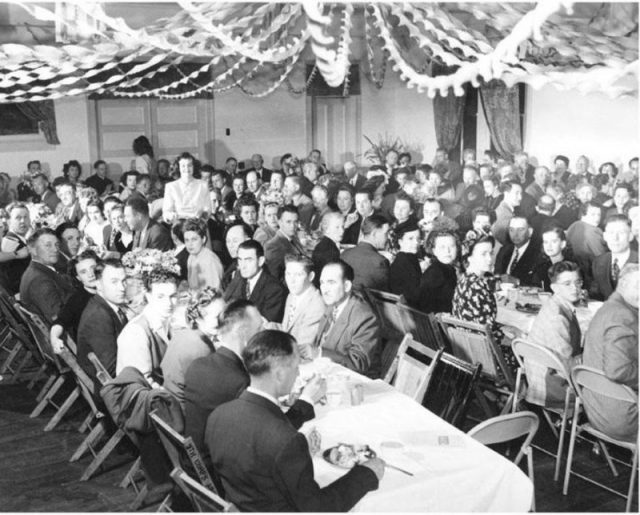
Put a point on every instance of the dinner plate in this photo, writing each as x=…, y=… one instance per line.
x=347, y=456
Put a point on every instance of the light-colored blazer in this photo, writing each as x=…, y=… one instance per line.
x=308, y=313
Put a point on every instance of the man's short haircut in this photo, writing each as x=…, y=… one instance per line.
x=234, y=313
x=163, y=161
x=326, y=219
x=287, y=209
x=509, y=185
x=35, y=236
x=278, y=172
x=35, y=161
x=112, y=262
x=519, y=217
x=559, y=268
x=40, y=175
x=556, y=229
x=295, y=179
x=365, y=191
x=98, y=163
x=229, y=159
x=16, y=205
x=84, y=255
x=584, y=208
x=480, y=211
x=347, y=271
x=138, y=205
x=246, y=200
x=433, y=200
x=303, y=260
x=372, y=223
x=494, y=179
x=546, y=203
x=562, y=158
x=632, y=160
x=322, y=188
x=401, y=195
x=160, y=277
x=252, y=245
x=207, y=168
x=64, y=183
x=267, y=348
x=245, y=229
x=65, y=226
x=272, y=204
x=194, y=225
x=616, y=218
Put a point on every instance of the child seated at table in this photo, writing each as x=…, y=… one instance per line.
x=556, y=327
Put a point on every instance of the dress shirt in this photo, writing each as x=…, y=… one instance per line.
x=185, y=200
x=10, y=244
x=295, y=305
x=521, y=251
x=622, y=258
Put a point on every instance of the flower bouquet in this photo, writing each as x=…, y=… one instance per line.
x=41, y=216
x=141, y=262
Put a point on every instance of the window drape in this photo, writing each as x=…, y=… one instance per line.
x=448, y=121
x=501, y=106
x=44, y=113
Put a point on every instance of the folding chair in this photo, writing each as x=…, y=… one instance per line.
x=594, y=381
x=387, y=307
x=202, y=499
x=410, y=375
x=424, y=328
x=509, y=427
x=16, y=339
x=534, y=362
x=474, y=343
x=178, y=447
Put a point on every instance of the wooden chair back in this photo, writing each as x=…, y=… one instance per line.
x=102, y=374
x=449, y=390
x=179, y=448
x=424, y=328
x=18, y=325
x=201, y=498
x=40, y=335
x=84, y=382
x=387, y=306
x=474, y=343
x=409, y=374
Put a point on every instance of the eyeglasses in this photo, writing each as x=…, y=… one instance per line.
x=577, y=284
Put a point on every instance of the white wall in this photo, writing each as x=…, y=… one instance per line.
x=569, y=123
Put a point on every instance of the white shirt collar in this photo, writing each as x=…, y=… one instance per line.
x=340, y=307
x=622, y=257
x=113, y=306
x=523, y=249
x=155, y=322
x=267, y=396
x=252, y=282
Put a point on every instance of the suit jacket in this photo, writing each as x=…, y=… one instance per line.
x=44, y=291
x=359, y=181
x=215, y=379
x=353, y=340
x=302, y=319
x=276, y=249
x=268, y=294
x=50, y=199
x=500, y=228
x=98, y=333
x=601, y=287
x=326, y=250
x=535, y=190
x=611, y=345
x=370, y=267
x=265, y=464
x=587, y=243
x=73, y=215
x=437, y=286
x=525, y=268
x=305, y=211
x=404, y=277
x=157, y=236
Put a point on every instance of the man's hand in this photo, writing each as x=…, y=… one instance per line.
x=314, y=440
x=22, y=253
x=375, y=464
x=316, y=388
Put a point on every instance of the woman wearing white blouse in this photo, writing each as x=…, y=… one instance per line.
x=204, y=268
x=187, y=197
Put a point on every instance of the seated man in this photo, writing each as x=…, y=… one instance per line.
x=611, y=345
x=254, y=283
x=284, y=242
x=585, y=237
x=68, y=209
x=364, y=209
x=556, y=327
x=235, y=234
x=14, y=252
x=47, y=196
x=606, y=267
x=147, y=233
x=263, y=462
x=370, y=267
x=512, y=197
x=349, y=333
x=519, y=258
x=42, y=289
x=292, y=191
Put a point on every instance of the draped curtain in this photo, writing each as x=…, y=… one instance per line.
x=501, y=106
x=448, y=120
x=44, y=113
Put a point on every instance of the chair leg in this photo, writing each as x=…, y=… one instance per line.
x=45, y=387
x=130, y=477
x=102, y=455
x=9, y=359
x=551, y=424
x=64, y=407
x=37, y=376
x=607, y=456
x=563, y=428
x=86, y=424
x=531, y=476
x=139, y=500
x=572, y=444
x=45, y=401
x=23, y=362
x=92, y=438
x=632, y=481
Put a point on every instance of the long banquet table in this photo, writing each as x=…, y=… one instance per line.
x=463, y=476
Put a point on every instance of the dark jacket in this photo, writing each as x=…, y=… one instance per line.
x=268, y=294
x=525, y=268
x=275, y=251
x=44, y=291
x=326, y=250
x=370, y=267
x=437, y=285
x=601, y=287
x=404, y=277
x=265, y=464
x=157, y=236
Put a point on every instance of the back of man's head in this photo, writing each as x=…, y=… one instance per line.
x=628, y=283
x=372, y=223
x=546, y=204
x=239, y=322
x=139, y=205
x=265, y=349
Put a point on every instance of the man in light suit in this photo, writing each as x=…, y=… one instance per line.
x=263, y=461
x=606, y=267
x=147, y=233
x=349, y=332
x=611, y=345
x=284, y=242
x=371, y=268
x=304, y=307
x=42, y=289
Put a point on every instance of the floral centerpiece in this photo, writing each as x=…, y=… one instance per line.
x=41, y=216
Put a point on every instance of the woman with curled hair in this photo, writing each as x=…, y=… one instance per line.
x=554, y=250
x=195, y=341
x=405, y=271
x=72, y=171
x=143, y=162
x=204, y=268
x=187, y=197
x=438, y=282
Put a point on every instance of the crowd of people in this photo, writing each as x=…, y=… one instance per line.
x=273, y=264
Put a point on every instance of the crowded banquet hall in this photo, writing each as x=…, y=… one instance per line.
x=312, y=257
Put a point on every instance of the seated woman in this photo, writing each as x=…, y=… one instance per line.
x=438, y=282
x=128, y=183
x=204, y=268
x=196, y=341
x=96, y=229
x=81, y=268
x=188, y=197
x=554, y=250
x=143, y=341
x=405, y=271
x=556, y=328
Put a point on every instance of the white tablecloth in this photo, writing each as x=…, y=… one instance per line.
x=465, y=476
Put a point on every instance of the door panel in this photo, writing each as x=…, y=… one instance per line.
x=336, y=129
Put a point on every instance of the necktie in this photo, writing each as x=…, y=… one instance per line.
x=247, y=290
x=122, y=316
x=514, y=261
x=292, y=314
x=615, y=272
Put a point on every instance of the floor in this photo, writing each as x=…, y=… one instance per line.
x=36, y=476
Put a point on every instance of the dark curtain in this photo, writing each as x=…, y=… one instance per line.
x=448, y=113
x=501, y=107
x=44, y=113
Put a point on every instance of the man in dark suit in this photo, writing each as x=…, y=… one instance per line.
x=42, y=289
x=68, y=209
x=611, y=345
x=349, y=333
x=235, y=234
x=520, y=257
x=103, y=318
x=293, y=195
x=543, y=217
x=254, y=283
x=284, y=242
x=222, y=376
x=606, y=267
x=586, y=239
x=352, y=176
x=147, y=233
x=371, y=268
x=47, y=196
x=328, y=248
x=264, y=173
x=264, y=463
x=364, y=209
